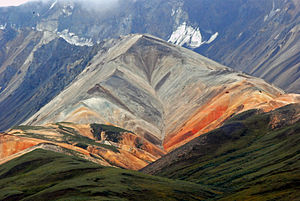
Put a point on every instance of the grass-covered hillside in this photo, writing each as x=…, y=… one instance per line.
x=252, y=157
x=46, y=175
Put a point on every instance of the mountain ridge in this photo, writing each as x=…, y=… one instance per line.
x=133, y=85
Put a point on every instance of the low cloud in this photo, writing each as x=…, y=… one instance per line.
x=87, y=4
x=97, y=4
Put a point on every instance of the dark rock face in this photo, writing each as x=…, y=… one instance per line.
x=36, y=74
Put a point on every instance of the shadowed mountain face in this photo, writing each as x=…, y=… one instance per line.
x=254, y=156
x=164, y=93
x=259, y=37
x=34, y=68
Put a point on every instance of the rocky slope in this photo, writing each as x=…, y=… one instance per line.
x=164, y=93
x=254, y=156
x=103, y=144
x=34, y=68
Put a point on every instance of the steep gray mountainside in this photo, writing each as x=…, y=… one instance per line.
x=259, y=37
x=34, y=68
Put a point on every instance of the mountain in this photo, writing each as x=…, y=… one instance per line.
x=138, y=97
x=48, y=175
x=86, y=90
x=164, y=93
x=253, y=156
x=258, y=37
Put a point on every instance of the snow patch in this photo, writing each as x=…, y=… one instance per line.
x=196, y=39
x=54, y=3
x=173, y=12
x=212, y=38
x=2, y=27
x=67, y=10
x=272, y=13
x=189, y=36
x=73, y=39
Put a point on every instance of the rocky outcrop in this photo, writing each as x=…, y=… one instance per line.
x=119, y=148
x=10, y=145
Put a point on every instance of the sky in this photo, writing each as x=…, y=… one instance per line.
x=12, y=2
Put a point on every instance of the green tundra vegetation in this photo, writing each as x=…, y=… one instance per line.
x=46, y=175
x=254, y=156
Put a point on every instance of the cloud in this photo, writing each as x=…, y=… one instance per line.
x=97, y=4
x=91, y=4
x=4, y=3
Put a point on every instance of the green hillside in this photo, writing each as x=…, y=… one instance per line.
x=46, y=175
x=252, y=157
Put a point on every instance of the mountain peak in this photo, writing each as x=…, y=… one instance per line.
x=166, y=93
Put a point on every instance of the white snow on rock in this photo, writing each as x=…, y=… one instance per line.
x=2, y=27
x=189, y=36
x=196, y=39
x=67, y=10
x=73, y=39
x=54, y=3
x=272, y=13
x=212, y=38
x=186, y=35
x=173, y=12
